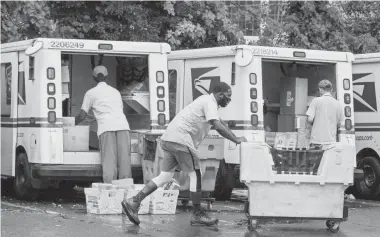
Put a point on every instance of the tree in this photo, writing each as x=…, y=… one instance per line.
x=342, y=26
x=25, y=20
x=362, y=23
x=182, y=24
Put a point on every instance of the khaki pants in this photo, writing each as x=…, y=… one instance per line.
x=115, y=152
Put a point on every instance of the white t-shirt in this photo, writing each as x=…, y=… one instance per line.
x=107, y=105
x=191, y=125
x=326, y=113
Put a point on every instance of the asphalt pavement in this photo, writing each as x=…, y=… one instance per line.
x=58, y=214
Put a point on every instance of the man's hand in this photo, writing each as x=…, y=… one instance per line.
x=241, y=139
x=80, y=117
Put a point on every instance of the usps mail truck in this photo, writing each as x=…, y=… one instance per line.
x=43, y=82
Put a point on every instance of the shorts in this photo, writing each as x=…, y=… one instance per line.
x=178, y=157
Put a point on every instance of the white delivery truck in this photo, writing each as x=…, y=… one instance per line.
x=271, y=89
x=366, y=85
x=43, y=82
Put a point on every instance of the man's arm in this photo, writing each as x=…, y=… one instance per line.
x=311, y=111
x=80, y=117
x=227, y=128
x=86, y=106
x=225, y=131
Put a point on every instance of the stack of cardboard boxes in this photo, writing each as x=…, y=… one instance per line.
x=293, y=131
x=106, y=198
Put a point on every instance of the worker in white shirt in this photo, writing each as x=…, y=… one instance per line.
x=325, y=115
x=113, y=128
x=179, y=144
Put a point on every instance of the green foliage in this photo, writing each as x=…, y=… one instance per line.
x=341, y=25
x=182, y=24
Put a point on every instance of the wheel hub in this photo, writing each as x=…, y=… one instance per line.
x=369, y=176
x=21, y=179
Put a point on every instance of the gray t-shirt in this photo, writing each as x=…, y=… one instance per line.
x=326, y=113
x=191, y=125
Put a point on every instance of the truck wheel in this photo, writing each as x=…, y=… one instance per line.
x=222, y=190
x=66, y=186
x=23, y=181
x=369, y=187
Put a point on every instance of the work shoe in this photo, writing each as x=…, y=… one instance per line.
x=131, y=208
x=201, y=218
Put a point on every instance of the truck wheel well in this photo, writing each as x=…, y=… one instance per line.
x=365, y=153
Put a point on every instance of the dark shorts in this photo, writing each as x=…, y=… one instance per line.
x=178, y=157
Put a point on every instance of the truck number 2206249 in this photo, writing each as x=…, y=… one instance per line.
x=66, y=44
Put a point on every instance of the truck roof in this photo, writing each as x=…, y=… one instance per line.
x=80, y=45
x=367, y=58
x=265, y=52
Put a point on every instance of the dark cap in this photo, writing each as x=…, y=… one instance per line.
x=221, y=87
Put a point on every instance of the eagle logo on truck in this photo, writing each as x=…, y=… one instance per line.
x=364, y=92
x=203, y=80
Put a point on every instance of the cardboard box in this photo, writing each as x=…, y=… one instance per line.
x=103, y=186
x=68, y=121
x=104, y=201
x=76, y=138
x=301, y=122
x=287, y=140
x=172, y=185
x=163, y=201
x=126, y=184
x=270, y=138
x=290, y=123
x=303, y=138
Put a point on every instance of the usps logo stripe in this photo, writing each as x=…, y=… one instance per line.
x=364, y=92
x=203, y=80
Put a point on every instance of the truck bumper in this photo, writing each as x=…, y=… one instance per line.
x=67, y=172
x=74, y=172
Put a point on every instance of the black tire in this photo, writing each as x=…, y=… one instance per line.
x=66, y=186
x=223, y=189
x=369, y=187
x=23, y=180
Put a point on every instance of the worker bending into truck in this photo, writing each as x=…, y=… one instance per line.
x=179, y=144
x=325, y=114
x=113, y=127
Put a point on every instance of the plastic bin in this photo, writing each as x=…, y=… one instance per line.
x=297, y=195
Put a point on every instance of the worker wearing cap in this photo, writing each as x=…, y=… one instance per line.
x=179, y=144
x=325, y=114
x=113, y=128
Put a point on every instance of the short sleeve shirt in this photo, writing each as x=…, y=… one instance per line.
x=191, y=125
x=326, y=113
x=107, y=105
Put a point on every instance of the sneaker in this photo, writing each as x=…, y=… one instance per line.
x=201, y=218
x=131, y=208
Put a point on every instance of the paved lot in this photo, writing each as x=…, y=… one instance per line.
x=65, y=215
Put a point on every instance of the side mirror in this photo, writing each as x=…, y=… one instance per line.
x=37, y=45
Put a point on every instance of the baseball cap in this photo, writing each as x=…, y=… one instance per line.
x=100, y=69
x=221, y=87
x=325, y=84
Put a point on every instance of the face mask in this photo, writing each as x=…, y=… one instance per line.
x=224, y=101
